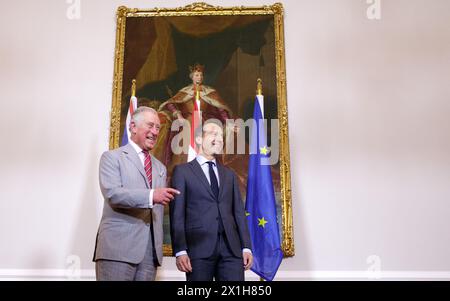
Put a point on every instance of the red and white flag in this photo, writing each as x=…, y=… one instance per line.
x=126, y=131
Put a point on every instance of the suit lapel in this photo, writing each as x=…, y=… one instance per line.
x=157, y=174
x=131, y=154
x=197, y=170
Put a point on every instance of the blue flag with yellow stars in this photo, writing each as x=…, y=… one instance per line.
x=260, y=203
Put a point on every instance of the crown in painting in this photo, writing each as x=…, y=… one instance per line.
x=196, y=68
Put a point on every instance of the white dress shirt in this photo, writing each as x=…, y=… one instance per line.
x=205, y=167
x=142, y=158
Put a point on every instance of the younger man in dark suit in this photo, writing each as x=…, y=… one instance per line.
x=210, y=238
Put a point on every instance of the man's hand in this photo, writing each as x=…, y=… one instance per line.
x=163, y=196
x=248, y=260
x=184, y=264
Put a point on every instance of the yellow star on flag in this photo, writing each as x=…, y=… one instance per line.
x=264, y=150
x=262, y=222
x=246, y=213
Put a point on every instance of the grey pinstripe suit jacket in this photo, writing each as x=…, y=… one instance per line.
x=124, y=229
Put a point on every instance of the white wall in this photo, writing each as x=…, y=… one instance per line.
x=369, y=132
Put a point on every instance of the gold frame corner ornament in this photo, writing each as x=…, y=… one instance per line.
x=201, y=9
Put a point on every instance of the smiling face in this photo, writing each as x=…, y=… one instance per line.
x=211, y=141
x=145, y=130
x=197, y=77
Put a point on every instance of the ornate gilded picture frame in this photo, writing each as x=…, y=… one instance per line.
x=234, y=47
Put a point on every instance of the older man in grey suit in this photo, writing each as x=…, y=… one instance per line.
x=132, y=181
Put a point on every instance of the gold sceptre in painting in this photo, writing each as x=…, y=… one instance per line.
x=133, y=88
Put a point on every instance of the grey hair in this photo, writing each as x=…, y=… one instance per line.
x=137, y=115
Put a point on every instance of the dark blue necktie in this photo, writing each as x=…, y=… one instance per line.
x=215, y=190
x=213, y=180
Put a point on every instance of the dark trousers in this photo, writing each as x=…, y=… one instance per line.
x=222, y=265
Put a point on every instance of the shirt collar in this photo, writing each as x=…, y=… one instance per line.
x=202, y=160
x=135, y=146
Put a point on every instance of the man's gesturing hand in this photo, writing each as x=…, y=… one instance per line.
x=163, y=196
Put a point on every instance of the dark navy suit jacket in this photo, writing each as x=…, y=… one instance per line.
x=194, y=213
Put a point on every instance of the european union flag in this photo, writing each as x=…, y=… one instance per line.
x=260, y=203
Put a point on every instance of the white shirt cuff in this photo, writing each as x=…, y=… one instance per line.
x=181, y=253
x=150, y=199
x=245, y=250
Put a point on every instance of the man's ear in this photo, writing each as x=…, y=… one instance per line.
x=132, y=126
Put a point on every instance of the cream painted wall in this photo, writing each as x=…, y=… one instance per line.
x=369, y=133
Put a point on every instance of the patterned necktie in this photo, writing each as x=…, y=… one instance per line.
x=213, y=179
x=148, y=167
x=148, y=171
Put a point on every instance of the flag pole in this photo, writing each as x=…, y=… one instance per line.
x=261, y=98
x=258, y=86
x=133, y=88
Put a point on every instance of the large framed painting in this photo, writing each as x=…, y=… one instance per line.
x=166, y=52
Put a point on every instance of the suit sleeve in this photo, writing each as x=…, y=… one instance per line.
x=239, y=216
x=111, y=186
x=177, y=212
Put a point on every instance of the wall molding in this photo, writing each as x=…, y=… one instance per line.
x=174, y=275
